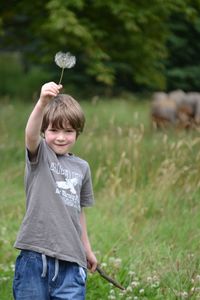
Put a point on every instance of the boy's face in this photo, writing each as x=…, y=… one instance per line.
x=60, y=140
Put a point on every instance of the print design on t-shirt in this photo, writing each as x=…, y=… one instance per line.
x=67, y=189
x=68, y=184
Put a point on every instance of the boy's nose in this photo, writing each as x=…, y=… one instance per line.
x=61, y=136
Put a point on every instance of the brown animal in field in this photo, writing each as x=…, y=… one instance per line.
x=176, y=108
x=184, y=110
x=163, y=110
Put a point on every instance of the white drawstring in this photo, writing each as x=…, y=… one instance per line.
x=56, y=269
x=44, y=267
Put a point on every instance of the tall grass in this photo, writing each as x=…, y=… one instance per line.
x=145, y=224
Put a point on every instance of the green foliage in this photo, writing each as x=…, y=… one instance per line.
x=137, y=45
x=15, y=82
x=183, y=63
x=145, y=225
x=117, y=43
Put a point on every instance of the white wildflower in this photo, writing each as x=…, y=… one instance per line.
x=121, y=294
x=111, y=297
x=198, y=278
x=111, y=260
x=117, y=263
x=149, y=279
x=155, y=284
x=12, y=266
x=184, y=295
x=103, y=265
x=155, y=278
x=5, y=278
x=129, y=289
x=136, y=278
x=131, y=273
x=141, y=291
x=134, y=284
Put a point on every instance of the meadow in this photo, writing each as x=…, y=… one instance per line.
x=145, y=225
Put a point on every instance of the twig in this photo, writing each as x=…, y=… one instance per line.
x=109, y=279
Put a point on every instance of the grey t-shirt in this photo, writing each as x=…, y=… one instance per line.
x=57, y=186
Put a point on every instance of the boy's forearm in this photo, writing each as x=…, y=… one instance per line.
x=91, y=258
x=48, y=91
x=85, y=238
x=32, y=132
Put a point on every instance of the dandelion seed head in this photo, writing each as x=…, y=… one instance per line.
x=65, y=60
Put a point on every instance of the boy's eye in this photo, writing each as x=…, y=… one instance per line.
x=69, y=130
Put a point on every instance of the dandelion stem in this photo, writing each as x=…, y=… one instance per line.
x=61, y=76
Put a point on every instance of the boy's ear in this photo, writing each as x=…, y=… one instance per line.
x=77, y=134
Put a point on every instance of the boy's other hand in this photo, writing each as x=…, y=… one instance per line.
x=91, y=262
x=48, y=91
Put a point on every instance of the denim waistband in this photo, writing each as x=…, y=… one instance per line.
x=31, y=253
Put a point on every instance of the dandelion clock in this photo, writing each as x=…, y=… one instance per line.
x=64, y=60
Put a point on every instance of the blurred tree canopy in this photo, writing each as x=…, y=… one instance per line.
x=138, y=44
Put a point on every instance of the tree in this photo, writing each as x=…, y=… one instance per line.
x=116, y=42
x=183, y=63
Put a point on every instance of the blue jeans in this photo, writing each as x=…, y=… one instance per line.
x=34, y=274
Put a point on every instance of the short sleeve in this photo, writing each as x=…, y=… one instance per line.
x=87, y=196
x=38, y=156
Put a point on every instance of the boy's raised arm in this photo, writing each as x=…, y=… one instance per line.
x=32, y=132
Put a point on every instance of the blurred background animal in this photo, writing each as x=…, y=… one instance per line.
x=175, y=108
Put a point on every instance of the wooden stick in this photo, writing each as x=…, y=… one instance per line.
x=109, y=279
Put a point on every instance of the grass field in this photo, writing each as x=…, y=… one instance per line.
x=145, y=225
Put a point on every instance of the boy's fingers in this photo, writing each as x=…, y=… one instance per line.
x=92, y=267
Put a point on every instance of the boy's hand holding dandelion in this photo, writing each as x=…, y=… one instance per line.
x=48, y=91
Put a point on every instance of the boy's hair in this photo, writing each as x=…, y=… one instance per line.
x=62, y=111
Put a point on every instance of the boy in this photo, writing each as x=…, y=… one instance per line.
x=55, y=249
